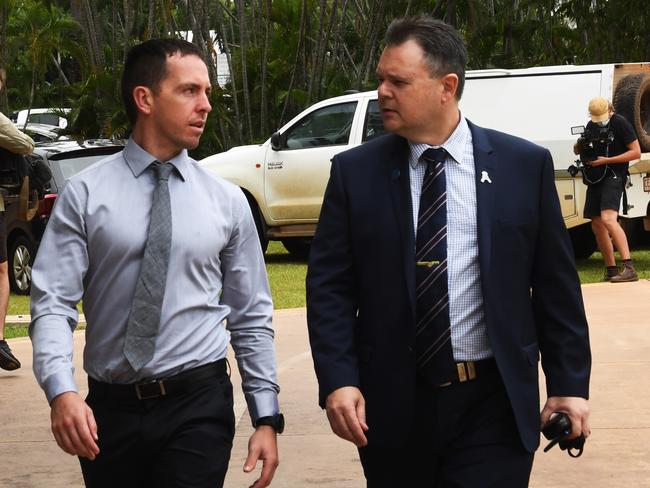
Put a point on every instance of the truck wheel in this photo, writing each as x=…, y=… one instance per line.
x=297, y=246
x=257, y=218
x=632, y=101
x=20, y=261
x=583, y=241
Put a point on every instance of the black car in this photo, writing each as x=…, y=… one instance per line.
x=64, y=159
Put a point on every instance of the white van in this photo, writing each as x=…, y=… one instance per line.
x=45, y=116
x=284, y=178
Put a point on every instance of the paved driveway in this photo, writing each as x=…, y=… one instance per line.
x=617, y=454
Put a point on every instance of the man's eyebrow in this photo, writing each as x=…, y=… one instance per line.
x=190, y=84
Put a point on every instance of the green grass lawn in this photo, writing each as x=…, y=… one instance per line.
x=591, y=270
x=286, y=277
x=287, y=280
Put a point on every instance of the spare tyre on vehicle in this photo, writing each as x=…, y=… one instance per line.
x=632, y=101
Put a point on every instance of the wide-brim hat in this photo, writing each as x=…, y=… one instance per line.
x=598, y=109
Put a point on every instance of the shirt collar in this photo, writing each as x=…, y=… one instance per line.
x=454, y=145
x=139, y=160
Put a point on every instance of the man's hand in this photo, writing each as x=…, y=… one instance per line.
x=577, y=147
x=73, y=425
x=602, y=160
x=346, y=411
x=263, y=445
x=575, y=407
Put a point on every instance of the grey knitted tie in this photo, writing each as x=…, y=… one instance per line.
x=144, y=319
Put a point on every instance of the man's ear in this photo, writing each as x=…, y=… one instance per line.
x=450, y=85
x=143, y=98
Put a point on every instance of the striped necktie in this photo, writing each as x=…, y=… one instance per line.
x=435, y=360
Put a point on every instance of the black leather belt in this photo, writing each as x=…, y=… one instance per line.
x=182, y=382
x=472, y=370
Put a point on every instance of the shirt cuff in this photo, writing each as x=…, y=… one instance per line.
x=263, y=404
x=59, y=383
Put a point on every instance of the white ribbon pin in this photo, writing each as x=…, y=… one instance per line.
x=485, y=177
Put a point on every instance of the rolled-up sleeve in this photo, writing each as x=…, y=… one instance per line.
x=57, y=288
x=246, y=292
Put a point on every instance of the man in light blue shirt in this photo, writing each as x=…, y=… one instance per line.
x=169, y=422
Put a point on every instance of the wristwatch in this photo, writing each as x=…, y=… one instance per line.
x=276, y=421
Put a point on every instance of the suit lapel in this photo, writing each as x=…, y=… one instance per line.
x=486, y=169
x=400, y=192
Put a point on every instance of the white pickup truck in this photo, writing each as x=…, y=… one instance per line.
x=284, y=178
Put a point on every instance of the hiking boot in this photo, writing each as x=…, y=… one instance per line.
x=7, y=360
x=610, y=272
x=628, y=274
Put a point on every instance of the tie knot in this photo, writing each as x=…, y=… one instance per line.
x=162, y=170
x=434, y=155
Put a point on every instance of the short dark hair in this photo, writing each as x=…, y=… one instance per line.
x=443, y=46
x=146, y=65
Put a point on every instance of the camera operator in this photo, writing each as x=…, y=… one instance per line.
x=613, y=154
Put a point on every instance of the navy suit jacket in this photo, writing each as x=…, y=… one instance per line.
x=361, y=280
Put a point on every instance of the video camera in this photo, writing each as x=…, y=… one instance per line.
x=593, y=142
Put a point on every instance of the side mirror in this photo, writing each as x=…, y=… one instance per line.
x=578, y=130
x=276, y=141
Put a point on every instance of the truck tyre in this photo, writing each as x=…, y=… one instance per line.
x=259, y=225
x=257, y=218
x=297, y=246
x=583, y=241
x=632, y=101
x=20, y=260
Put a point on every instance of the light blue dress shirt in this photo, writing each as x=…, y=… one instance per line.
x=92, y=250
x=469, y=338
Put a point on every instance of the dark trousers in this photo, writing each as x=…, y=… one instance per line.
x=175, y=441
x=463, y=436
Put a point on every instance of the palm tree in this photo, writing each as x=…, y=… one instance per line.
x=47, y=32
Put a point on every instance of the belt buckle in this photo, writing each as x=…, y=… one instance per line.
x=466, y=371
x=150, y=389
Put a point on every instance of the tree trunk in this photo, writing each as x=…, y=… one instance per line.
x=370, y=44
x=82, y=11
x=264, y=108
x=202, y=37
x=151, y=21
x=128, y=25
x=303, y=15
x=95, y=30
x=209, y=50
x=32, y=91
x=337, y=50
x=243, y=46
x=313, y=76
x=325, y=52
x=233, y=75
x=57, y=64
x=407, y=12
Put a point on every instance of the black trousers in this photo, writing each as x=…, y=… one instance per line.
x=463, y=436
x=175, y=441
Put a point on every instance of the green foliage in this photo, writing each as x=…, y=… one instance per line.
x=97, y=111
x=302, y=51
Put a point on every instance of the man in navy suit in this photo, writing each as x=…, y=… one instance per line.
x=440, y=270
